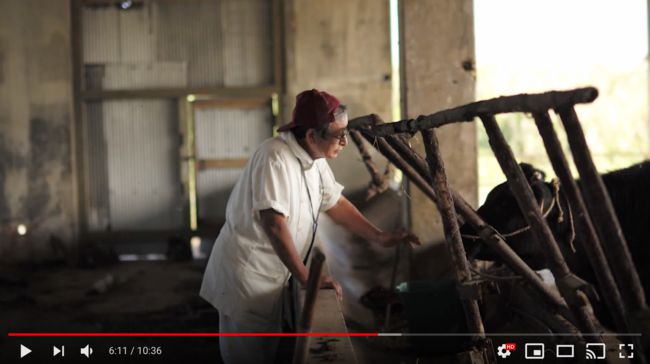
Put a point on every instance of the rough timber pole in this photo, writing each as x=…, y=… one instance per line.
x=467, y=213
x=378, y=184
x=567, y=283
x=602, y=212
x=584, y=227
x=301, y=351
x=452, y=232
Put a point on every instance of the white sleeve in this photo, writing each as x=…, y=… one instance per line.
x=269, y=185
x=331, y=189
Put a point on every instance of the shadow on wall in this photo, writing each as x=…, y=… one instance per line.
x=360, y=265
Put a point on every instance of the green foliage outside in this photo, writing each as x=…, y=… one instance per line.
x=615, y=124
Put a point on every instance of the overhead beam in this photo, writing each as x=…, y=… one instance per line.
x=179, y=92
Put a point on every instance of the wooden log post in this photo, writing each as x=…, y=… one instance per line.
x=378, y=184
x=505, y=104
x=468, y=214
x=452, y=232
x=301, y=352
x=602, y=212
x=568, y=284
x=583, y=225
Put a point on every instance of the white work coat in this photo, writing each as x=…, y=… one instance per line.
x=244, y=277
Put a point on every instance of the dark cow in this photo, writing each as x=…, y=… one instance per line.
x=629, y=190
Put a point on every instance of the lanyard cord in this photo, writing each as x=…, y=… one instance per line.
x=311, y=209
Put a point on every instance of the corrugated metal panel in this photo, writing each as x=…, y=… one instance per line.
x=136, y=76
x=101, y=35
x=111, y=35
x=247, y=42
x=213, y=191
x=225, y=134
x=230, y=133
x=191, y=32
x=142, y=163
x=137, y=35
x=221, y=43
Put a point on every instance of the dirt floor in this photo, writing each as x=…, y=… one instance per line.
x=144, y=297
x=129, y=297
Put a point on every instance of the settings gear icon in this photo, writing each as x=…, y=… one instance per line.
x=503, y=352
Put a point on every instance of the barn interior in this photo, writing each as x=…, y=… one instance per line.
x=124, y=126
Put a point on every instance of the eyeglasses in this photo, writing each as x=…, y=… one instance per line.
x=342, y=136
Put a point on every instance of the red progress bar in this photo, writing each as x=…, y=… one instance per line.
x=282, y=334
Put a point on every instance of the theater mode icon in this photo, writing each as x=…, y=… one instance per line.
x=564, y=351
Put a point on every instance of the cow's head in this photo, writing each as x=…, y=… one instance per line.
x=502, y=212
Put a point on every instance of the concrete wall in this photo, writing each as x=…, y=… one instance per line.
x=36, y=177
x=341, y=47
x=439, y=66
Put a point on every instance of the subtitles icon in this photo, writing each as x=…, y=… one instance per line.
x=535, y=351
x=596, y=351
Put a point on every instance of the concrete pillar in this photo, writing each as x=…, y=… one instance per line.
x=36, y=184
x=341, y=47
x=439, y=71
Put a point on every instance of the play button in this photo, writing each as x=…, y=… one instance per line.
x=24, y=351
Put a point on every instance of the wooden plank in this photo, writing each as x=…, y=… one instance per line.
x=328, y=319
x=180, y=93
x=221, y=163
x=232, y=103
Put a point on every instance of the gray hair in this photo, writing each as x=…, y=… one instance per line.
x=340, y=112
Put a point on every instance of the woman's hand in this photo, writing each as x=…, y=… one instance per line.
x=329, y=283
x=392, y=238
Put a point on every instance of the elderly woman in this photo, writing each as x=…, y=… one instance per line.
x=271, y=223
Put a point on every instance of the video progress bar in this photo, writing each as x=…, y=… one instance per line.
x=505, y=334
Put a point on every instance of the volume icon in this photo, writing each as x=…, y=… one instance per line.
x=87, y=351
